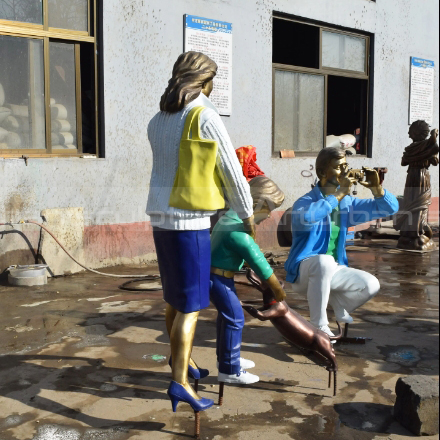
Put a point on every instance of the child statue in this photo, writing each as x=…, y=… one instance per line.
x=412, y=220
x=231, y=247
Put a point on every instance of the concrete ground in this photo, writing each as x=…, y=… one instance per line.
x=84, y=360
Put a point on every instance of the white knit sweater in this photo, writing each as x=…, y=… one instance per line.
x=164, y=133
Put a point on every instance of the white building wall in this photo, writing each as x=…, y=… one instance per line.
x=143, y=38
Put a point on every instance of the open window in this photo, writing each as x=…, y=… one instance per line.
x=321, y=87
x=48, y=77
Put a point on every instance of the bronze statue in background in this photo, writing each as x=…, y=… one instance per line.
x=412, y=219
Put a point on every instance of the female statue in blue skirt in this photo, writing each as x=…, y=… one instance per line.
x=181, y=236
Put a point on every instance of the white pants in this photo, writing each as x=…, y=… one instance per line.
x=325, y=281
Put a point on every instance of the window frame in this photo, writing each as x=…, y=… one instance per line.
x=47, y=35
x=326, y=71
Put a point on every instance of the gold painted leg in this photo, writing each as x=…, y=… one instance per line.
x=170, y=316
x=182, y=338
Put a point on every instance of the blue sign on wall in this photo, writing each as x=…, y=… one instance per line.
x=420, y=62
x=214, y=39
x=207, y=25
x=422, y=84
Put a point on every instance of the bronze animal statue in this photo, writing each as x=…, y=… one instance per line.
x=293, y=327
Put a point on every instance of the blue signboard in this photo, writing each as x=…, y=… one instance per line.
x=420, y=62
x=421, y=101
x=207, y=25
x=214, y=39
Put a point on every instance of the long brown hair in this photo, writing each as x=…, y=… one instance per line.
x=190, y=74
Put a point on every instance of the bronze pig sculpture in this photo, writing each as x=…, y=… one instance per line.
x=293, y=327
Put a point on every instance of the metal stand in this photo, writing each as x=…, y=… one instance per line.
x=221, y=394
x=335, y=390
x=197, y=425
x=346, y=340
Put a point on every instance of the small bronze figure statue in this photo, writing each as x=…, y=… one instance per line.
x=412, y=220
x=293, y=327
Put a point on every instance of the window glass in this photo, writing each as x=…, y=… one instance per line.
x=28, y=11
x=299, y=111
x=88, y=102
x=63, y=96
x=343, y=51
x=22, y=110
x=69, y=14
x=347, y=108
x=295, y=44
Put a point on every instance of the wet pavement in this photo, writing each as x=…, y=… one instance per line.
x=84, y=360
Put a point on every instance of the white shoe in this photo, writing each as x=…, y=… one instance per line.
x=326, y=329
x=245, y=364
x=345, y=319
x=243, y=378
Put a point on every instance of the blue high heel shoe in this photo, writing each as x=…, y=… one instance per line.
x=194, y=373
x=177, y=393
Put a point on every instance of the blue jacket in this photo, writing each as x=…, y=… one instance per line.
x=311, y=224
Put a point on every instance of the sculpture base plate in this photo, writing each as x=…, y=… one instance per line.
x=358, y=341
x=426, y=251
x=421, y=243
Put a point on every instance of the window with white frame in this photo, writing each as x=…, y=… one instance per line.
x=48, y=77
x=321, y=80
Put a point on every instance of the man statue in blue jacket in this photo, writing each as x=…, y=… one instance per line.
x=317, y=263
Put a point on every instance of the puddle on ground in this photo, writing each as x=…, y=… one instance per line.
x=96, y=335
x=327, y=425
x=432, y=292
x=384, y=319
x=57, y=432
x=124, y=307
x=369, y=417
x=108, y=387
x=12, y=420
x=406, y=356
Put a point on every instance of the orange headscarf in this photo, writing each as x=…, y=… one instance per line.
x=248, y=160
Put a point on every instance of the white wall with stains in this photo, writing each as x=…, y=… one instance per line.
x=143, y=38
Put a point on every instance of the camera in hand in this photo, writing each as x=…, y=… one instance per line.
x=359, y=175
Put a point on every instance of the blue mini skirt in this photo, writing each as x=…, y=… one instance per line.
x=185, y=264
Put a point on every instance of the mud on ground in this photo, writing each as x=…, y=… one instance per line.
x=84, y=360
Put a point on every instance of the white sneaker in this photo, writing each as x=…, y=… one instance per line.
x=326, y=329
x=245, y=364
x=345, y=318
x=243, y=378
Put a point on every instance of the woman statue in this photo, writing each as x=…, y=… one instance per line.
x=181, y=236
x=412, y=220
